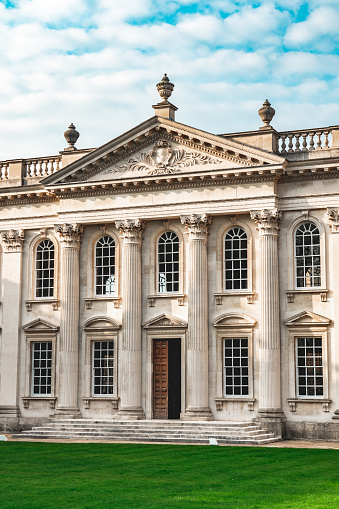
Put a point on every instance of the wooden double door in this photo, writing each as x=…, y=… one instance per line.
x=166, y=378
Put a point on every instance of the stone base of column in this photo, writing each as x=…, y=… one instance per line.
x=10, y=411
x=130, y=414
x=197, y=414
x=68, y=413
x=273, y=420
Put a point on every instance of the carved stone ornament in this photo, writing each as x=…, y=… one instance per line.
x=70, y=234
x=13, y=240
x=333, y=217
x=197, y=225
x=163, y=159
x=267, y=221
x=131, y=230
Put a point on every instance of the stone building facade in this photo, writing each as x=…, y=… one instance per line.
x=176, y=274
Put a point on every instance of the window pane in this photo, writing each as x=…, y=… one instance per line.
x=235, y=259
x=309, y=354
x=236, y=377
x=102, y=368
x=41, y=368
x=44, y=279
x=168, y=263
x=105, y=266
x=307, y=259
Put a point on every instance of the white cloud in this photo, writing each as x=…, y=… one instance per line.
x=320, y=29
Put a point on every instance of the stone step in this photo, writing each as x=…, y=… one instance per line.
x=150, y=431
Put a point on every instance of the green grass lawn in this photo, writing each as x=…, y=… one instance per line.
x=45, y=475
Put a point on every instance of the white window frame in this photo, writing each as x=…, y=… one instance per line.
x=233, y=326
x=172, y=272
x=311, y=287
x=33, y=345
x=96, y=267
x=36, y=279
x=31, y=272
x=240, y=367
x=313, y=367
x=232, y=259
x=93, y=368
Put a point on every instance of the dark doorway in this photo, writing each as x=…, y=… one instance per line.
x=166, y=378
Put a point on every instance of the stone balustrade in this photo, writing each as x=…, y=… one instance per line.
x=41, y=167
x=304, y=140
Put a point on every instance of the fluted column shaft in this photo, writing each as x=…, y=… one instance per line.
x=12, y=242
x=70, y=237
x=269, y=345
x=197, y=406
x=130, y=352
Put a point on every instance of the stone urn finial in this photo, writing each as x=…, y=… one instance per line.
x=71, y=136
x=165, y=88
x=266, y=113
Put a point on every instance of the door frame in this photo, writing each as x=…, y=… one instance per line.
x=163, y=334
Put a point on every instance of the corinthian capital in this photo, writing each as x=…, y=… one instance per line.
x=333, y=218
x=197, y=225
x=131, y=230
x=267, y=221
x=13, y=240
x=70, y=234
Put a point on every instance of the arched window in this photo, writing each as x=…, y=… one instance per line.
x=44, y=267
x=168, y=263
x=307, y=256
x=236, y=259
x=105, y=266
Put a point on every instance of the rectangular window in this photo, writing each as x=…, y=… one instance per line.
x=102, y=368
x=236, y=367
x=42, y=368
x=310, y=380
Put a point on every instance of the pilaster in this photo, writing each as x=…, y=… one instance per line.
x=70, y=239
x=333, y=219
x=12, y=243
x=197, y=341
x=130, y=352
x=270, y=411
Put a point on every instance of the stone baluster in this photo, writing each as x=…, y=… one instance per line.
x=197, y=404
x=326, y=141
x=130, y=351
x=297, y=142
x=304, y=135
x=12, y=242
x=318, y=134
x=270, y=411
x=283, y=143
x=311, y=147
x=290, y=143
x=68, y=352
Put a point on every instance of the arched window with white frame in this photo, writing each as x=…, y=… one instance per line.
x=105, y=266
x=168, y=263
x=44, y=269
x=307, y=256
x=235, y=261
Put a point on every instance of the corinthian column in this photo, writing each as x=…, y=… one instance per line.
x=130, y=352
x=70, y=239
x=12, y=242
x=197, y=342
x=267, y=222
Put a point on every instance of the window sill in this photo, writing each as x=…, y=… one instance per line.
x=152, y=298
x=53, y=302
x=113, y=399
x=293, y=403
x=313, y=291
x=220, y=402
x=52, y=400
x=234, y=293
x=105, y=298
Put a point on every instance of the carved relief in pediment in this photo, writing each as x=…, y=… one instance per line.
x=163, y=159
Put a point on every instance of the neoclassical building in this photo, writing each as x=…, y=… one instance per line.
x=174, y=274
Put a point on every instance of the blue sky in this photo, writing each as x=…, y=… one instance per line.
x=96, y=63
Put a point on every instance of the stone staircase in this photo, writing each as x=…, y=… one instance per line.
x=189, y=432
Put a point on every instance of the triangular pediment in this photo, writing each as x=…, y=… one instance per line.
x=307, y=318
x=234, y=320
x=161, y=147
x=165, y=320
x=40, y=325
x=101, y=323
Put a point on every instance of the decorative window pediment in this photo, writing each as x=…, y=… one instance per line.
x=40, y=325
x=234, y=320
x=307, y=318
x=101, y=323
x=165, y=321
